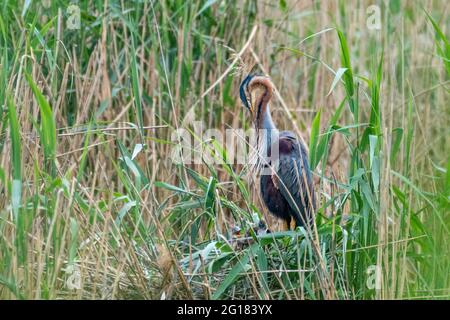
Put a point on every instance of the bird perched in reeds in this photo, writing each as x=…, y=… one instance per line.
x=281, y=158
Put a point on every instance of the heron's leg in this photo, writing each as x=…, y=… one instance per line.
x=287, y=224
x=292, y=224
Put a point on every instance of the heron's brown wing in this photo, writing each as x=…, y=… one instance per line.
x=295, y=179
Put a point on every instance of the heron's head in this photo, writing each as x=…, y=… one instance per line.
x=256, y=92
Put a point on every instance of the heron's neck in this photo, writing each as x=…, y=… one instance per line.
x=269, y=131
x=265, y=120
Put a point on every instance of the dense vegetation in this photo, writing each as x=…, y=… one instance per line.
x=92, y=204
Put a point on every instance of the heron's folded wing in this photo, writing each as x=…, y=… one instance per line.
x=295, y=179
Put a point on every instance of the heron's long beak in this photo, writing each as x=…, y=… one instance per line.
x=243, y=90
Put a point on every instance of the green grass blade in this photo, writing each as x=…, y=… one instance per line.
x=48, y=126
x=136, y=89
x=16, y=160
x=345, y=60
x=315, y=130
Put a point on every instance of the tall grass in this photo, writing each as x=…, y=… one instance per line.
x=92, y=204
